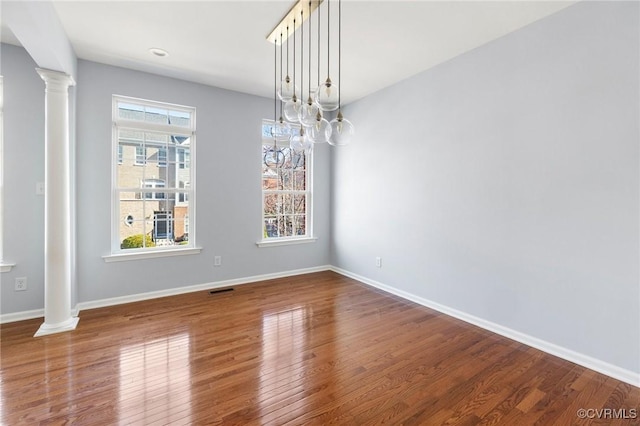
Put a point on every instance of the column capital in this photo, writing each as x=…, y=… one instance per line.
x=56, y=81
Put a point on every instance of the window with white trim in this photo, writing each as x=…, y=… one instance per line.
x=286, y=190
x=153, y=176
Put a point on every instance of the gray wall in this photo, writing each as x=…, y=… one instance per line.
x=23, y=168
x=504, y=183
x=228, y=188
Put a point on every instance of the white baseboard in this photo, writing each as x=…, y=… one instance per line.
x=198, y=287
x=39, y=313
x=600, y=366
x=21, y=316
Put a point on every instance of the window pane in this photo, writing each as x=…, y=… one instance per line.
x=180, y=118
x=287, y=203
x=128, y=175
x=300, y=225
x=163, y=232
x=299, y=204
x=156, y=115
x=270, y=204
x=130, y=111
x=285, y=181
x=133, y=235
x=299, y=182
x=181, y=224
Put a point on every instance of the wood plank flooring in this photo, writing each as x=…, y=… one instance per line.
x=312, y=349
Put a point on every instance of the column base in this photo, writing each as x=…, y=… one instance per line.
x=46, y=329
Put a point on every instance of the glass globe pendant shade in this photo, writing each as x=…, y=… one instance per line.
x=287, y=89
x=301, y=142
x=291, y=109
x=274, y=157
x=320, y=131
x=327, y=96
x=308, y=112
x=341, y=131
x=281, y=131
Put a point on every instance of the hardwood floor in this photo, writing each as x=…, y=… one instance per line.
x=312, y=349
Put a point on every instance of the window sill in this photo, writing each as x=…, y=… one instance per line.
x=6, y=267
x=123, y=257
x=285, y=241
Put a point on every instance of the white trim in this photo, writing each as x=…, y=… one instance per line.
x=285, y=241
x=6, y=267
x=39, y=313
x=600, y=366
x=197, y=287
x=123, y=257
x=21, y=316
x=46, y=329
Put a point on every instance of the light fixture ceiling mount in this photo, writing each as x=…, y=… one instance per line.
x=291, y=20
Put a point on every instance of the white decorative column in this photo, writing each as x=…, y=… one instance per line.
x=57, y=222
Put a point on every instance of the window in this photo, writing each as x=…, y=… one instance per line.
x=153, y=183
x=141, y=156
x=183, y=158
x=153, y=193
x=162, y=157
x=182, y=196
x=286, y=192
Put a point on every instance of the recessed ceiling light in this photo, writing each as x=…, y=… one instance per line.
x=158, y=52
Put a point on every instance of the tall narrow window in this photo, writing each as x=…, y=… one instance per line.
x=153, y=146
x=286, y=191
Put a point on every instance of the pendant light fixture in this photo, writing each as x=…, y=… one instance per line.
x=341, y=129
x=301, y=142
x=320, y=129
x=287, y=86
x=292, y=106
x=327, y=92
x=309, y=109
x=274, y=157
x=281, y=128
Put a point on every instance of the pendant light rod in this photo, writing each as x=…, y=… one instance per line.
x=275, y=83
x=328, y=36
x=339, y=52
x=288, y=19
x=302, y=55
x=281, y=72
x=275, y=93
x=318, y=46
x=309, y=88
x=294, y=60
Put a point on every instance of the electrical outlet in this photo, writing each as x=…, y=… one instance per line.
x=379, y=262
x=21, y=284
x=217, y=260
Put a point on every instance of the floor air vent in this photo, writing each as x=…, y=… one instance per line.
x=220, y=290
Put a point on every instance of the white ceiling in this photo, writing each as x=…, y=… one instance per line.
x=222, y=43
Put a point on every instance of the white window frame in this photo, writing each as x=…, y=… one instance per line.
x=118, y=254
x=294, y=239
